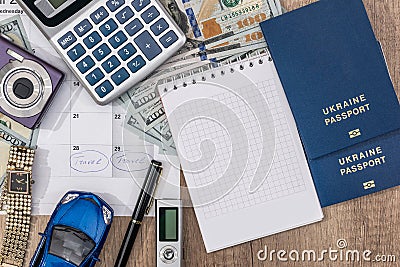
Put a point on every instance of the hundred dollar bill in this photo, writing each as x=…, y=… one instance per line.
x=159, y=127
x=243, y=39
x=153, y=115
x=161, y=138
x=12, y=138
x=132, y=124
x=163, y=129
x=211, y=18
x=10, y=129
x=14, y=29
x=216, y=54
x=144, y=96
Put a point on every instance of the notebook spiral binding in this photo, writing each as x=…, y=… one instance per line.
x=210, y=71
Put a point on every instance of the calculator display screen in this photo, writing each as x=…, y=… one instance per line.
x=57, y=3
x=54, y=12
x=168, y=224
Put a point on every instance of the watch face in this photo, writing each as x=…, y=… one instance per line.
x=19, y=182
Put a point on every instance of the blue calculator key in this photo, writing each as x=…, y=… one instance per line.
x=150, y=14
x=120, y=76
x=118, y=39
x=133, y=27
x=101, y=52
x=147, y=45
x=108, y=27
x=115, y=4
x=93, y=39
x=127, y=51
x=168, y=39
x=136, y=64
x=159, y=27
x=124, y=15
x=140, y=4
x=76, y=52
x=86, y=64
x=104, y=89
x=99, y=15
x=95, y=76
x=82, y=28
x=111, y=64
x=67, y=40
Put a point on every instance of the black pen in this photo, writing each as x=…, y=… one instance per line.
x=143, y=205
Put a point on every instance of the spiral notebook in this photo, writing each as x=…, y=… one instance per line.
x=240, y=152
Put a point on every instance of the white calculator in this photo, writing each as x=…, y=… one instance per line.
x=110, y=45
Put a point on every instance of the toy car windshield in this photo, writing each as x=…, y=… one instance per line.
x=70, y=244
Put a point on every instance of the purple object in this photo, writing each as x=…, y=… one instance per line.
x=27, y=84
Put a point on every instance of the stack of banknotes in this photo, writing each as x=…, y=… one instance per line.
x=217, y=31
x=11, y=132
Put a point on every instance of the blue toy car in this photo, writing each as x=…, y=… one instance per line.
x=75, y=233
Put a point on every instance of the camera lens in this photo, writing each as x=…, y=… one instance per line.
x=23, y=88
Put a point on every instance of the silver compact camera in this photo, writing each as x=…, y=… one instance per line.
x=27, y=84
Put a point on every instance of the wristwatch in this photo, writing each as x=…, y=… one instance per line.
x=17, y=199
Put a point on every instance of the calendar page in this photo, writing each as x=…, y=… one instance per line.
x=83, y=146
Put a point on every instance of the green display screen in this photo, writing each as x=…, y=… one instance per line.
x=57, y=3
x=168, y=224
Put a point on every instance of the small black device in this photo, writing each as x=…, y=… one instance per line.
x=169, y=232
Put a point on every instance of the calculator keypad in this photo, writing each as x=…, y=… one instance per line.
x=120, y=76
x=115, y=4
x=136, y=64
x=159, y=27
x=95, y=76
x=126, y=52
x=150, y=14
x=82, y=28
x=140, y=4
x=124, y=15
x=168, y=39
x=148, y=45
x=67, y=40
x=76, y=52
x=101, y=52
x=111, y=64
x=116, y=41
x=85, y=65
x=134, y=27
x=109, y=27
x=92, y=40
x=99, y=15
x=104, y=89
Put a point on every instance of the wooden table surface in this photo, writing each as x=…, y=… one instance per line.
x=368, y=223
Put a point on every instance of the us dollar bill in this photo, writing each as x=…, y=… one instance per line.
x=244, y=39
x=14, y=29
x=212, y=18
x=144, y=96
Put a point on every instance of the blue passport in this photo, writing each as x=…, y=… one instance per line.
x=337, y=83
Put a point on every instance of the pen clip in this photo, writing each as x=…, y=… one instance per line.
x=151, y=203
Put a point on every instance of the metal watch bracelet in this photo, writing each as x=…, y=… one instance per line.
x=17, y=199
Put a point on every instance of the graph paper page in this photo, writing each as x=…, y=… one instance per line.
x=240, y=153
